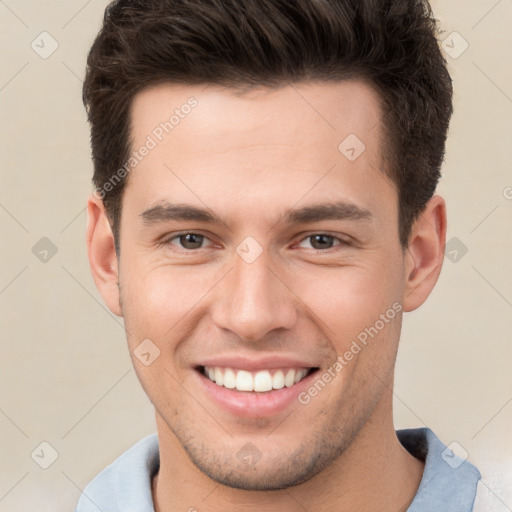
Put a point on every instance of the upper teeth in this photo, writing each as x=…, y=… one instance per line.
x=262, y=380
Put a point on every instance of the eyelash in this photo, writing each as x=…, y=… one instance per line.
x=340, y=241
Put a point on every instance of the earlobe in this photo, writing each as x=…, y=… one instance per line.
x=102, y=255
x=425, y=254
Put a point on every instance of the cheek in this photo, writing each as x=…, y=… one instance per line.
x=158, y=305
x=349, y=299
x=158, y=302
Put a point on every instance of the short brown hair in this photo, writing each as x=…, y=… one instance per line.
x=248, y=43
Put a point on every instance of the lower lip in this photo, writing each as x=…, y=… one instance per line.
x=252, y=404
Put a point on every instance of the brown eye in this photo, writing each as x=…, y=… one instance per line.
x=321, y=241
x=189, y=240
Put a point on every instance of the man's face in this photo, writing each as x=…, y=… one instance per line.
x=261, y=290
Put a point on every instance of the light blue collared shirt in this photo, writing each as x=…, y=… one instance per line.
x=449, y=483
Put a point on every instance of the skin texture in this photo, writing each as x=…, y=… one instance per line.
x=248, y=158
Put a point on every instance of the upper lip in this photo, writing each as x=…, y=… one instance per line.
x=270, y=362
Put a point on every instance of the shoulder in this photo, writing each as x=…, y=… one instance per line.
x=449, y=481
x=124, y=485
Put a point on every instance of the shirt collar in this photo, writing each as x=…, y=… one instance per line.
x=449, y=482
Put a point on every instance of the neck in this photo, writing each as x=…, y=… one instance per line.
x=375, y=473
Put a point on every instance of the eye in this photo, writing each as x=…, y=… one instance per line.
x=322, y=241
x=188, y=241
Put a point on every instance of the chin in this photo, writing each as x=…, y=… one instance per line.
x=259, y=472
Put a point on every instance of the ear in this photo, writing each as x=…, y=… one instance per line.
x=425, y=253
x=102, y=254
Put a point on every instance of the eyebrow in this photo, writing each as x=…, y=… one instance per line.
x=340, y=210
x=165, y=212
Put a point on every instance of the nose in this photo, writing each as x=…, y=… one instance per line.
x=253, y=300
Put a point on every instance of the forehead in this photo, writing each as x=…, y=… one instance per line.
x=209, y=141
x=222, y=116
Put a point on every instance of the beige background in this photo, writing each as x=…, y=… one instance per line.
x=65, y=375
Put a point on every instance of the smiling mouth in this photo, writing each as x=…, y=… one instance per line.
x=261, y=381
